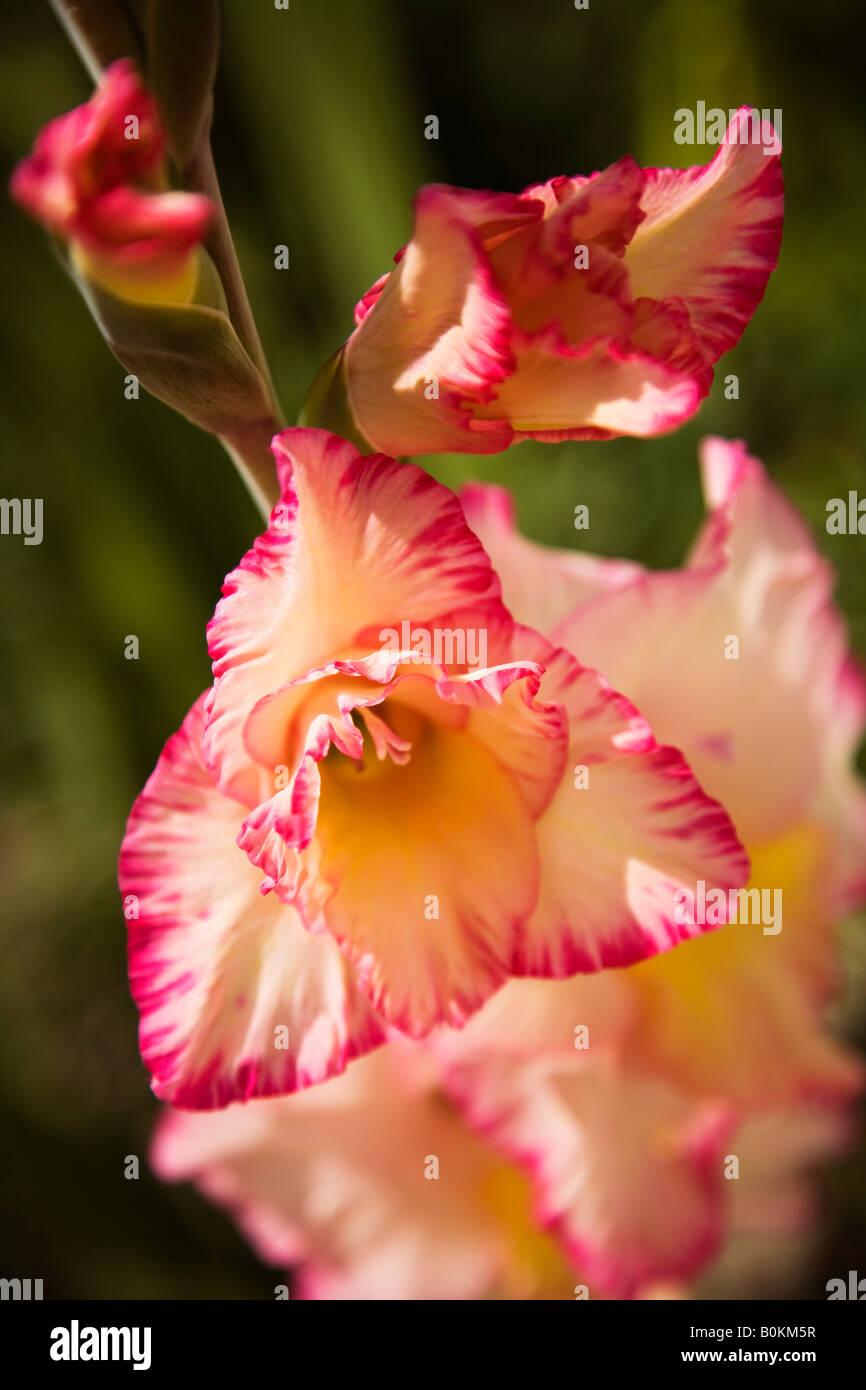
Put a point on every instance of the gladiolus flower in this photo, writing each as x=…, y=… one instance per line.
x=372, y=1186
x=584, y=308
x=621, y=1098
x=416, y=827
x=97, y=178
x=769, y=708
x=736, y=1018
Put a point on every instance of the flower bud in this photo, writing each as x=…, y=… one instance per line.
x=97, y=179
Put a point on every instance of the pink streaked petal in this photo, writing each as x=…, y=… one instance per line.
x=356, y=544
x=733, y=718
x=758, y=729
x=603, y=210
x=152, y=230
x=368, y=300
x=774, y=568
x=440, y=323
x=536, y=266
x=592, y=391
x=627, y=1171
x=663, y=329
x=334, y=1177
x=494, y=216
x=743, y=505
x=711, y=236
x=85, y=153
x=637, y=1138
x=526, y=736
x=274, y=831
x=491, y=215
x=615, y=852
x=607, y=201
x=216, y=968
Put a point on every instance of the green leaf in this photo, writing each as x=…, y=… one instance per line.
x=182, y=51
x=187, y=355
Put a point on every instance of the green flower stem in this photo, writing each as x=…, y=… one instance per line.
x=248, y=447
x=201, y=177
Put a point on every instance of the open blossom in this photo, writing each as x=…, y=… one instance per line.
x=736, y=1018
x=96, y=177
x=370, y=1186
x=604, y=1111
x=344, y=835
x=374, y=1186
x=769, y=707
x=584, y=308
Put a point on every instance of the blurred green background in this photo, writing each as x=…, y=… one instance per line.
x=319, y=139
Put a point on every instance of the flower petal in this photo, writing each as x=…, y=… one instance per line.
x=527, y=737
x=755, y=643
x=540, y=584
x=619, y=839
x=149, y=232
x=86, y=151
x=592, y=391
x=711, y=234
x=216, y=968
x=528, y=1019
x=337, y=1179
x=538, y=267
x=767, y=990
x=627, y=1172
x=428, y=908
x=439, y=324
x=356, y=545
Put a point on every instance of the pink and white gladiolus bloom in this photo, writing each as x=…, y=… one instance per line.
x=736, y=1019
x=603, y=1111
x=582, y=308
x=375, y=1186
x=97, y=178
x=370, y=1186
x=345, y=836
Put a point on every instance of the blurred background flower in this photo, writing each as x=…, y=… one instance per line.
x=320, y=141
